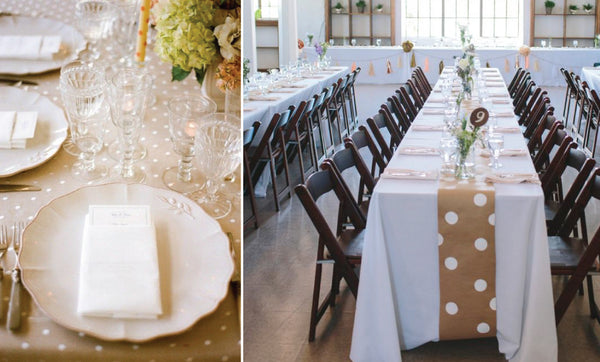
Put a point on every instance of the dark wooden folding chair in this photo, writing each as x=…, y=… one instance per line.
x=515, y=80
x=590, y=136
x=344, y=250
x=424, y=81
x=362, y=139
x=413, y=90
x=296, y=136
x=558, y=203
x=576, y=256
x=554, y=139
x=545, y=124
x=395, y=106
x=408, y=103
x=377, y=123
x=248, y=137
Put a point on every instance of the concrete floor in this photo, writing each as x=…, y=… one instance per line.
x=279, y=261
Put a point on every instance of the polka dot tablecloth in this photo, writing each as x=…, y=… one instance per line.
x=215, y=337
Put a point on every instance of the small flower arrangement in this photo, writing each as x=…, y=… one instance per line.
x=194, y=35
x=338, y=8
x=465, y=69
x=310, y=37
x=573, y=8
x=465, y=35
x=321, y=49
x=379, y=8
x=467, y=133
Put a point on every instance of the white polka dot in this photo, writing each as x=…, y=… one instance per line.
x=481, y=244
x=81, y=334
x=493, y=304
x=225, y=358
x=483, y=328
x=62, y=347
x=98, y=348
x=135, y=346
x=223, y=328
x=492, y=219
x=172, y=345
x=451, y=263
x=480, y=200
x=480, y=285
x=46, y=332
x=451, y=217
x=207, y=342
x=440, y=239
x=24, y=345
x=451, y=308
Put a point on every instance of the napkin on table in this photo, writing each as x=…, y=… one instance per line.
x=406, y=174
x=506, y=153
x=418, y=150
x=29, y=47
x=16, y=128
x=421, y=127
x=119, y=275
x=516, y=178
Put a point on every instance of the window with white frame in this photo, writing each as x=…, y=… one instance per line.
x=269, y=9
x=428, y=21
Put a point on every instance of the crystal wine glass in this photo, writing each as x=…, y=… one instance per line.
x=218, y=153
x=124, y=29
x=95, y=17
x=82, y=89
x=129, y=99
x=496, y=145
x=184, y=114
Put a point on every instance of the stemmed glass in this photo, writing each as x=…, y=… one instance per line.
x=95, y=17
x=124, y=29
x=82, y=89
x=184, y=114
x=129, y=95
x=218, y=144
x=495, y=143
x=448, y=145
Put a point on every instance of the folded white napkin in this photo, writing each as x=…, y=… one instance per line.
x=501, y=129
x=501, y=101
x=437, y=110
x=506, y=153
x=406, y=174
x=517, y=178
x=418, y=150
x=16, y=128
x=119, y=275
x=29, y=47
x=422, y=127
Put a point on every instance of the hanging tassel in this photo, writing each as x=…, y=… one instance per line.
x=517, y=61
x=536, y=66
x=353, y=66
x=487, y=64
x=413, y=61
x=441, y=67
x=371, y=69
x=389, y=67
x=400, y=62
x=527, y=62
x=426, y=65
x=506, y=66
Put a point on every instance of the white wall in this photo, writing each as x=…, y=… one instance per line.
x=311, y=18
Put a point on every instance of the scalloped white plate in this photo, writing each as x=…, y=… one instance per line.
x=195, y=264
x=50, y=131
x=72, y=42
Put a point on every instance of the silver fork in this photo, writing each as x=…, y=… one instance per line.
x=3, y=247
x=13, y=319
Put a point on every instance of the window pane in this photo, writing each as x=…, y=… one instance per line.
x=487, y=28
x=411, y=8
x=450, y=29
x=474, y=8
x=436, y=28
x=512, y=28
x=513, y=8
x=462, y=8
x=450, y=8
x=500, y=28
x=500, y=8
x=436, y=8
x=411, y=28
x=424, y=8
x=488, y=9
x=424, y=28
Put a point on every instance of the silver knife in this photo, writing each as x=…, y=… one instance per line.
x=17, y=80
x=18, y=188
x=13, y=319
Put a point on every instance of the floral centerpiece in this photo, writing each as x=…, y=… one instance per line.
x=467, y=133
x=465, y=70
x=321, y=49
x=200, y=35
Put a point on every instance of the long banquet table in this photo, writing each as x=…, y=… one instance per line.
x=263, y=109
x=216, y=337
x=544, y=63
x=398, y=303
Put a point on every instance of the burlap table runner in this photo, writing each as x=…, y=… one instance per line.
x=467, y=260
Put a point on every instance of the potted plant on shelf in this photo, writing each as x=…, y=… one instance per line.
x=361, y=5
x=338, y=8
x=379, y=8
x=549, y=6
x=588, y=8
x=573, y=8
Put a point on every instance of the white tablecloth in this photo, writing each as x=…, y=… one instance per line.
x=398, y=298
x=544, y=63
x=263, y=111
x=592, y=76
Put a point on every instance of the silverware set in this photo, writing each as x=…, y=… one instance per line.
x=12, y=246
x=18, y=188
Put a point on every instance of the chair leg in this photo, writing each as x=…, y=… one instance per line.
x=250, y=190
x=314, y=318
x=274, y=180
x=591, y=299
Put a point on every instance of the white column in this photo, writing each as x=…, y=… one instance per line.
x=288, y=31
x=249, y=38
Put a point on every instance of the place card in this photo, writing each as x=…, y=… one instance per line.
x=16, y=128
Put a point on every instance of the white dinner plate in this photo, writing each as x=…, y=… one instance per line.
x=50, y=131
x=72, y=42
x=195, y=263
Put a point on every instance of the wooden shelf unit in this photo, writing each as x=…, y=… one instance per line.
x=560, y=16
x=352, y=24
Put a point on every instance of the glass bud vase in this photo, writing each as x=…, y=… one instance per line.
x=465, y=162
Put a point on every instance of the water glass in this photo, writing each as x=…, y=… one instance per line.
x=218, y=144
x=378, y=42
x=448, y=147
x=543, y=43
x=495, y=142
x=353, y=42
x=95, y=18
x=124, y=29
x=184, y=114
x=129, y=92
x=82, y=90
x=331, y=41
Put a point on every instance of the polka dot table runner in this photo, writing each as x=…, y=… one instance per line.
x=467, y=260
